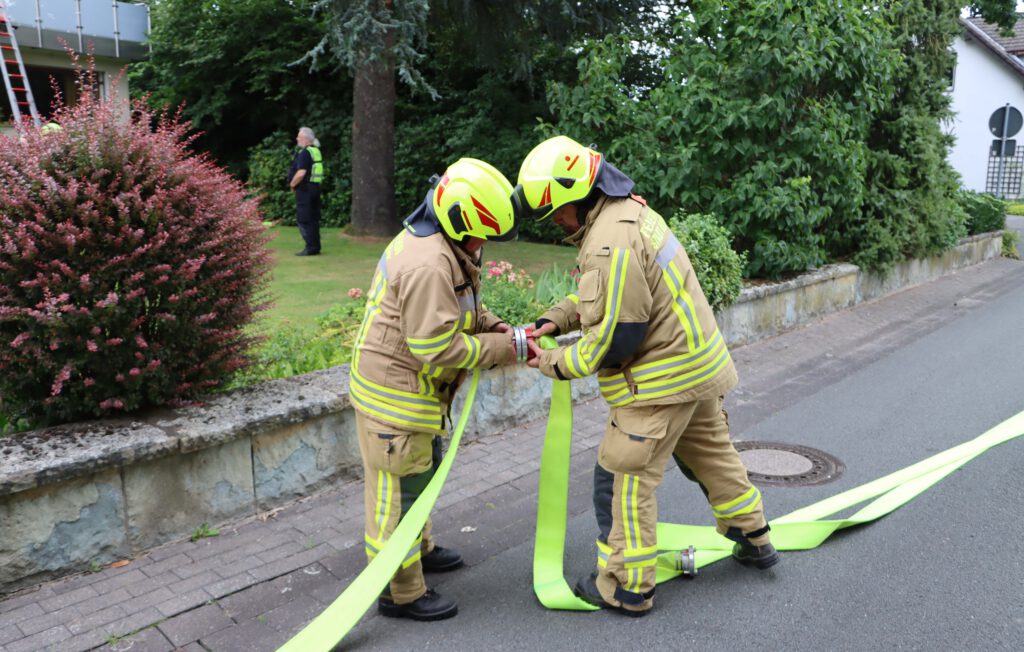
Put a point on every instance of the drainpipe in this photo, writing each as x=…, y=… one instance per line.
x=78, y=16
x=117, y=32
x=39, y=25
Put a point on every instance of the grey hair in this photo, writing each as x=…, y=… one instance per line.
x=308, y=133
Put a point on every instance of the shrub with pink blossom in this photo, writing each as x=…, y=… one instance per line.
x=508, y=292
x=129, y=265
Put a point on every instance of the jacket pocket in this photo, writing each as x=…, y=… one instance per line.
x=591, y=298
x=633, y=435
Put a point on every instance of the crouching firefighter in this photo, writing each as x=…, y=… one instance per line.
x=422, y=329
x=662, y=366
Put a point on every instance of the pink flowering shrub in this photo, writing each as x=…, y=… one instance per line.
x=508, y=292
x=129, y=266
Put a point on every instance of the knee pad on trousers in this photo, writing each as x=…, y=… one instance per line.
x=604, y=483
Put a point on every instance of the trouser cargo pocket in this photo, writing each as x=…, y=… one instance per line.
x=632, y=438
x=396, y=451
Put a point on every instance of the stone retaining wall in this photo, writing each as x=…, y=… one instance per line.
x=92, y=493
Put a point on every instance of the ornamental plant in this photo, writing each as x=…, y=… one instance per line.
x=129, y=265
x=509, y=293
x=291, y=349
x=719, y=269
x=985, y=212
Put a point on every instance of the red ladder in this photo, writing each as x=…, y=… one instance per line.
x=19, y=93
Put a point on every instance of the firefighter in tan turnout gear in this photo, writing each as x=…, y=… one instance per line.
x=662, y=366
x=422, y=329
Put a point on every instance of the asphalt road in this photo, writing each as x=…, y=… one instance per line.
x=944, y=572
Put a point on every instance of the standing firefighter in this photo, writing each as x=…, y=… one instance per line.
x=662, y=366
x=423, y=328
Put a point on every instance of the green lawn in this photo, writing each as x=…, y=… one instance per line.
x=305, y=286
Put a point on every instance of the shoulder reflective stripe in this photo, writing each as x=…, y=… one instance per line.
x=385, y=490
x=667, y=251
x=743, y=505
x=574, y=298
x=473, y=354
x=683, y=303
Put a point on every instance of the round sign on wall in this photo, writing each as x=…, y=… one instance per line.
x=1013, y=122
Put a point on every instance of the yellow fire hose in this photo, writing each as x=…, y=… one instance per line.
x=802, y=529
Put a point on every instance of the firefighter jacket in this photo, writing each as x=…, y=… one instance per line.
x=423, y=327
x=648, y=331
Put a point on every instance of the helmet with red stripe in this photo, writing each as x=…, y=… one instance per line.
x=472, y=198
x=557, y=172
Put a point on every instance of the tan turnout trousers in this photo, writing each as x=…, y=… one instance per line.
x=636, y=448
x=397, y=465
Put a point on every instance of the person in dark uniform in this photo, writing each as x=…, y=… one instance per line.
x=304, y=177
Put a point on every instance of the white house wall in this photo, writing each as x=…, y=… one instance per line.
x=983, y=83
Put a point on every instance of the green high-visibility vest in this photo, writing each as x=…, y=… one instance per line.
x=318, y=165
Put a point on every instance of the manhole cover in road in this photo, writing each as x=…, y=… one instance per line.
x=787, y=465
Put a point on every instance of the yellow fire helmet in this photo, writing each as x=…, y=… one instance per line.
x=557, y=172
x=473, y=199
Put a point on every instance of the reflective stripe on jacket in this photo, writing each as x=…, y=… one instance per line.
x=423, y=325
x=648, y=331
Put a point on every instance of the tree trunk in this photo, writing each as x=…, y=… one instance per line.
x=373, y=148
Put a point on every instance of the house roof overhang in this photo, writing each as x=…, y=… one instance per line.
x=978, y=34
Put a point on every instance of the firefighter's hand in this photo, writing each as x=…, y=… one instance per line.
x=548, y=328
x=533, y=356
x=501, y=327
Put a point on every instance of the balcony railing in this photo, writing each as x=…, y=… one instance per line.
x=110, y=28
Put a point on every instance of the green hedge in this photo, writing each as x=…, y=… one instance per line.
x=719, y=269
x=985, y=212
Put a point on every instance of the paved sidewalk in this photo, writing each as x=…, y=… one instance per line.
x=259, y=581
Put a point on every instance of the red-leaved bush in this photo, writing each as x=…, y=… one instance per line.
x=129, y=265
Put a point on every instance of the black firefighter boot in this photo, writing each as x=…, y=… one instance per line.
x=761, y=557
x=429, y=606
x=586, y=590
x=440, y=560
